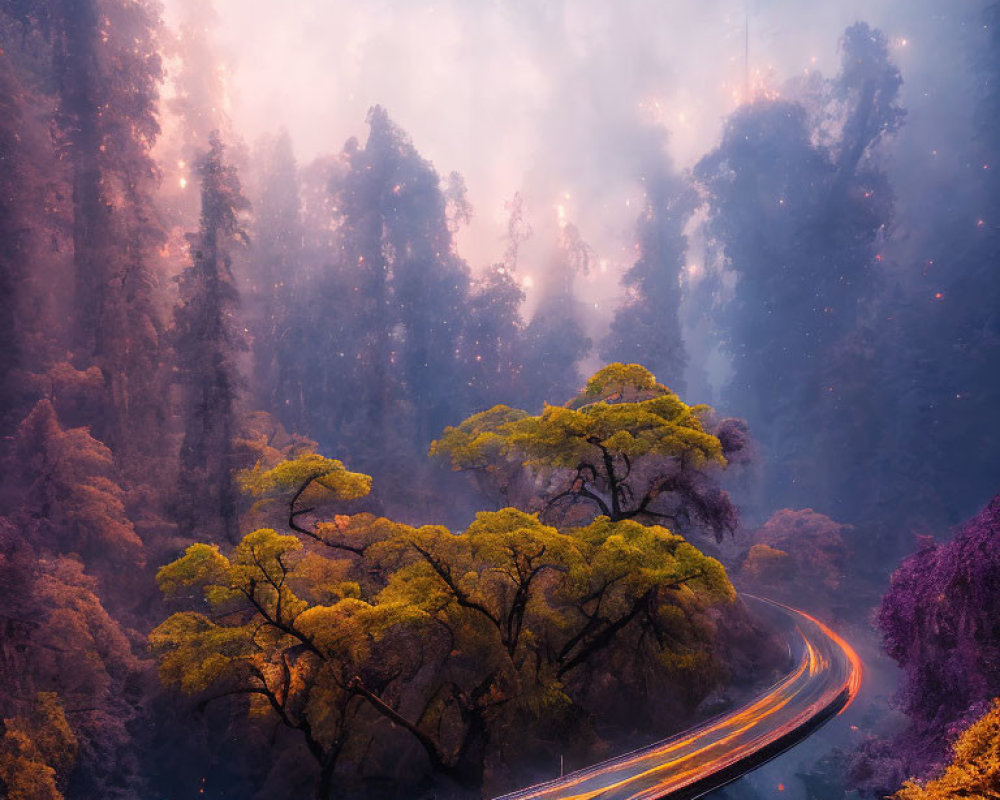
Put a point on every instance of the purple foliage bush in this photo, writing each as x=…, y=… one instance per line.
x=940, y=622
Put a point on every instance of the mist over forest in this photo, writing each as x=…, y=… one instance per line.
x=402, y=400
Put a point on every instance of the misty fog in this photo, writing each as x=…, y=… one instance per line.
x=402, y=399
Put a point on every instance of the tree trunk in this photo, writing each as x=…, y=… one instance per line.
x=469, y=766
x=324, y=784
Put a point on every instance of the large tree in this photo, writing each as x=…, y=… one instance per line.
x=355, y=630
x=939, y=623
x=799, y=215
x=626, y=448
x=273, y=296
x=646, y=328
x=410, y=284
x=30, y=214
x=491, y=348
x=206, y=340
x=554, y=341
x=107, y=70
x=58, y=637
x=69, y=492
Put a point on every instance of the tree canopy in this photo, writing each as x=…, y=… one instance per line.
x=627, y=447
x=465, y=642
x=798, y=205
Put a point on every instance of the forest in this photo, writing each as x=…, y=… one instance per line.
x=405, y=408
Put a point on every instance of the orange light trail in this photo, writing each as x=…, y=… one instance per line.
x=750, y=715
x=856, y=665
x=824, y=682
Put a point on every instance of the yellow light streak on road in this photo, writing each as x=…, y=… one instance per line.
x=825, y=680
x=750, y=713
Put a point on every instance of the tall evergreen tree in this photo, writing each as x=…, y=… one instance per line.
x=799, y=221
x=107, y=71
x=362, y=202
x=273, y=296
x=32, y=219
x=410, y=285
x=491, y=339
x=554, y=342
x=646, y=328
x=206, y=341
x=493, y=331
x=320, y=347
x=429, y=282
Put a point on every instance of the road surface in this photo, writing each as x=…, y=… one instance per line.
x=703, y=758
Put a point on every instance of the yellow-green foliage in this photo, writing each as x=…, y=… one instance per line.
x=478, y=441
x=37, y=752
x=494, y=617
x=298, y=486
x=360, y=530
x=286, y=626
x=660, y=426
x=325, y=473
x=202, y=565
x=616, y=380
x=974, y=773
x=195, y=652
x=507, y=587
x=473, y=581
x=485, y=564
x=656, y=422
x=340, y=630
x=326, y=580
x=649, y=557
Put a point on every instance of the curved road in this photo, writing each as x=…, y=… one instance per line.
x=703, y=758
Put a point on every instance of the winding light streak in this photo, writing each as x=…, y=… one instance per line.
x=856, y=665
x=824, y=682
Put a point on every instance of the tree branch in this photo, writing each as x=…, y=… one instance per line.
x=460, y=597
x=294, y=514
x=430, y=746
x=606, y=636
